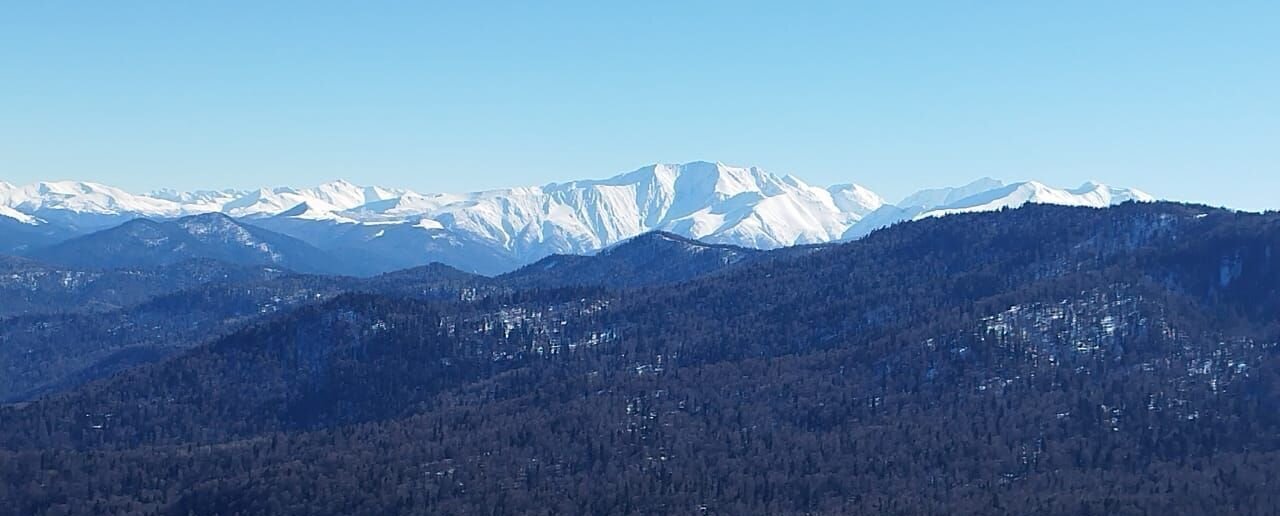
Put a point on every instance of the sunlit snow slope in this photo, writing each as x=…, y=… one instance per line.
x=497, y=230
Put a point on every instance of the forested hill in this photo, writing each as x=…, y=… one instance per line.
x=1046, y=360
x=650, y=259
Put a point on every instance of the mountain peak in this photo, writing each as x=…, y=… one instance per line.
x=855, y=198
x=653, y=237
x=208, y=217
x=935, y=197
x=665, y=173
x=341, y=183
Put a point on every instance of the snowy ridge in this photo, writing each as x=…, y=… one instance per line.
x=935, y=197
x=1015, y=195
x=712, y=202
x=992, y=195
x=82, y=198
x=11, y=213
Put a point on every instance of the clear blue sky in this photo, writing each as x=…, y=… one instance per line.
x=1179, y=98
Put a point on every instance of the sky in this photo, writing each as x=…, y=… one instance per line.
x=1181, y=99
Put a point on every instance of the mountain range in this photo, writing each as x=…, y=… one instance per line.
x=362, y=230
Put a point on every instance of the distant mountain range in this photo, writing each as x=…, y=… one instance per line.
x=342, y=227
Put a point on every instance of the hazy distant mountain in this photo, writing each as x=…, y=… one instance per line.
x=17, y=236
x=148, y=243
x=991, y=195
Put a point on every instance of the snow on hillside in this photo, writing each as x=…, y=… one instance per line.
x=935, y=197
x=83, y=198
x=11, y=213
x=990, y=195
x=713, y=202
x=1015, y=195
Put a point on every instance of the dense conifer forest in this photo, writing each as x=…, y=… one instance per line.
x=1043, y=360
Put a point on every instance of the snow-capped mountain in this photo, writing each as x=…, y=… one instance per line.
x=19, y=217
x=1011, y=196
x=991, y=195
x=83, y=204
x=930, y=198
x=707, y=201
x=498, y=230
x=323, y=202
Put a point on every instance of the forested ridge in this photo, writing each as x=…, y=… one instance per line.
x=1046, y=360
